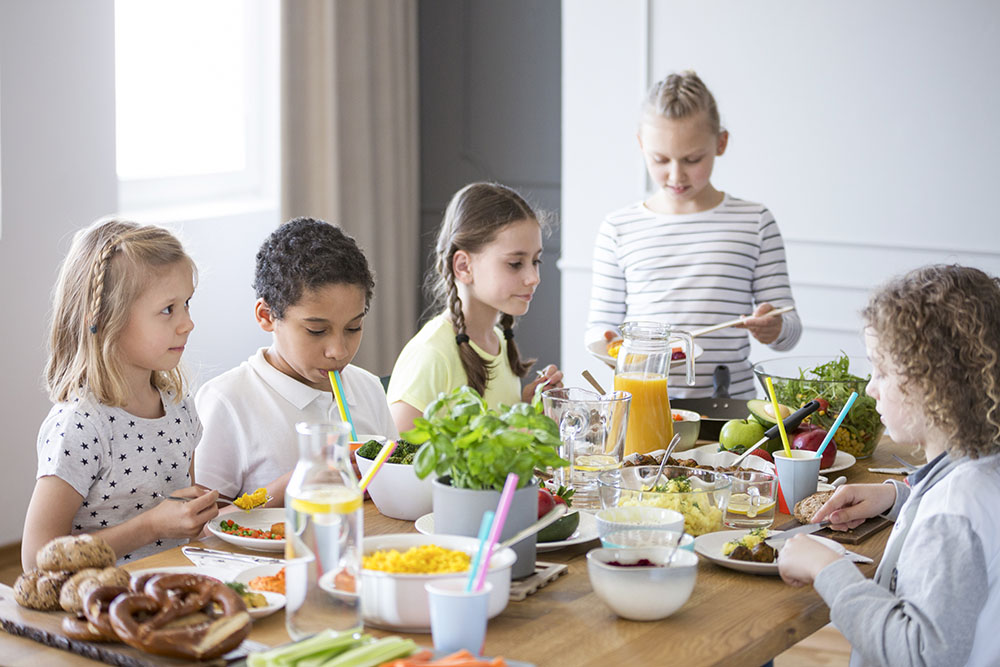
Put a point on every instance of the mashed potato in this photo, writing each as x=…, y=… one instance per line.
x=701, y=515
x=750, y=540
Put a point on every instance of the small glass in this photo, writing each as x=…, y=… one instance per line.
x=753, y=501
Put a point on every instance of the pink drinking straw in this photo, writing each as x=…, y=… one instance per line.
x=506, y=496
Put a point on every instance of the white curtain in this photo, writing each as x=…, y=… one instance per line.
x=350, y=146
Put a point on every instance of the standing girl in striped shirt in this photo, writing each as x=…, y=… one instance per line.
x=691, y=255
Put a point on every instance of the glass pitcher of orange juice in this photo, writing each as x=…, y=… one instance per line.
x=643, y=366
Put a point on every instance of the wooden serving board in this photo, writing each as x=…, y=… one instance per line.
x=854, y=536
x=45, y=627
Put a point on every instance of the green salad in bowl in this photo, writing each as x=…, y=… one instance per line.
x=798, y=380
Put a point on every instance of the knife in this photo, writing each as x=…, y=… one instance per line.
x=791, y=423
x=201, y=552
x=804, y=529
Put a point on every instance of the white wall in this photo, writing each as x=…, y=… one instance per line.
x=57, y=134
x=868, y=128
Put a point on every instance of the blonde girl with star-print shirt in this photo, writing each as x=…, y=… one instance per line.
x=121, y=434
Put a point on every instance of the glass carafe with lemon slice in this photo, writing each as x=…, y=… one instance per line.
x=323, y=535
x=643, y=365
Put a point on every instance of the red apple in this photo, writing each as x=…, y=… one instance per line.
x=812, y=439
x=545, y=502
x=762, y=453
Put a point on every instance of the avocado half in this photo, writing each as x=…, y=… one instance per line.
x=756, y=407
x=560, y=529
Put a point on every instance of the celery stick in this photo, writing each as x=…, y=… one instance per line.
x=326, y=644
x=375, y=653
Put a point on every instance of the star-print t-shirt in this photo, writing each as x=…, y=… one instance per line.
x=119, y=462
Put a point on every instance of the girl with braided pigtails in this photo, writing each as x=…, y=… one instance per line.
x=121, y=434
x=486, y=270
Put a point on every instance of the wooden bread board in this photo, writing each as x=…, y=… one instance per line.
x=46, y=627
x=855, y=536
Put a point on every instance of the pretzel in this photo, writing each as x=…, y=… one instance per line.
x=95, y=626
x=176, y=616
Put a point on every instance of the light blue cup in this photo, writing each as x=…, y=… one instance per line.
x=458, y=619
x=645, y=537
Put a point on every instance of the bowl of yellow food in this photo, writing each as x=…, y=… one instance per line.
x=701, y=496
x=396, y=567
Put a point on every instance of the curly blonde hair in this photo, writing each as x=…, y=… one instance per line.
x=108, y=267
x=939, y=327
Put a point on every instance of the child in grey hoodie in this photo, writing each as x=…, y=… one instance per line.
x=933, y=337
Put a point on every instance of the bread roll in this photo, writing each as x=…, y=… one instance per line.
x=74, y=553
x=76, y=588
x=39, y=589
x=808, y=506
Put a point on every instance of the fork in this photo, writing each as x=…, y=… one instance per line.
x=906, y=464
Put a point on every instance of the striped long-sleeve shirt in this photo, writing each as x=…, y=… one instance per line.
x=693, y=271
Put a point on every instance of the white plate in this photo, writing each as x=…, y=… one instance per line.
x=585, y=532
x=599, y=349
x=246, y=575
x=275, y=601
x=709, y=455
x=222, y=574
x=709, y=546
x=261, y=519
x=842, y=461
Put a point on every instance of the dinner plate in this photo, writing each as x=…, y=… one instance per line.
x=585, y=532
x=261, y=519
x=244, y=576
x=599, y=349
x=709, y=546
x=843, y=461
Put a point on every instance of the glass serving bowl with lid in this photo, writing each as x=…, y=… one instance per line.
x=700, y=495
x=798, y=380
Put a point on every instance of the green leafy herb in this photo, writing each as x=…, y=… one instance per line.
x=477, y=446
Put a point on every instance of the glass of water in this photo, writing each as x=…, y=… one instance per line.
x=753, y=501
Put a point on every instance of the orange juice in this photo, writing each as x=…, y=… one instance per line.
x=650, y=423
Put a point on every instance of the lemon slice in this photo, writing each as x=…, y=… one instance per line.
x=328, y=501
x=739, y=503
x=594, y=462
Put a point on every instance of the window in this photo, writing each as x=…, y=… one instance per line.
x=196, y=94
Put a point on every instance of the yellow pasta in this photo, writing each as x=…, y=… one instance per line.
x=250, y=500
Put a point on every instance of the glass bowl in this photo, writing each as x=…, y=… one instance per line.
x=795, y=384
x=700, y=495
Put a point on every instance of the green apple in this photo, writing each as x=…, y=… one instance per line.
x=740, y=434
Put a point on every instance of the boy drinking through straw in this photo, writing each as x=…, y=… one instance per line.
x=313, y=288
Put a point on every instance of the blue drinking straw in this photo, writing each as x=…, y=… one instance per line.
x=836, y=424
x=484, y=532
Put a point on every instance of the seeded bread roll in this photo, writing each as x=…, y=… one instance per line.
x=75, y=590
x=808, y=506
x=39, y=589
x=74, y=553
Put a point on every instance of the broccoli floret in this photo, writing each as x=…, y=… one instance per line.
x=369, y=450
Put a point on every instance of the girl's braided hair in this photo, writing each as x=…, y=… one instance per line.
x=681, y=95
x=939, y=328
x=108, y=267
x=474, y=217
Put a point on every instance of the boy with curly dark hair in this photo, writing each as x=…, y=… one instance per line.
x=313, y=287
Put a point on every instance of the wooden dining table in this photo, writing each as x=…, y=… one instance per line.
x=732, y=618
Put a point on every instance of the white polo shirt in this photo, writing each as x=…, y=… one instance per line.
x=249, y=415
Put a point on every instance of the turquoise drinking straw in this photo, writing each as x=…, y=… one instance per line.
x=836, y=424
x=484, y=532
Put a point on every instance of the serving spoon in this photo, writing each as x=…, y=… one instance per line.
x=553, y=515
x=663, y=461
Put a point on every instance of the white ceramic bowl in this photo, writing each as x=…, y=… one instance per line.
x=632, y=539
x=615, y=519
x=689, y=426
x=399, y=601
x=397, y=491
x=643, y=593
